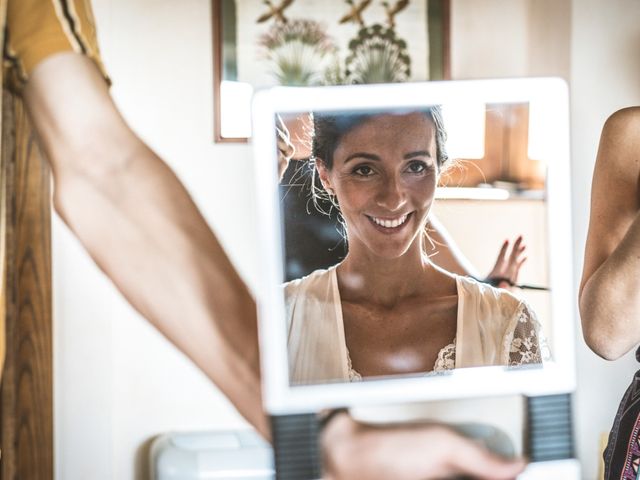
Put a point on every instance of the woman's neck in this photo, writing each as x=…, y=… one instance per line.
x=364, y=277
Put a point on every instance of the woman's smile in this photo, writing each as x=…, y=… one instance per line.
x=390, y=225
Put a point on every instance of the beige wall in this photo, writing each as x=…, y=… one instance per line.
x=500, y=38
x=549, y=27
x=510, y=38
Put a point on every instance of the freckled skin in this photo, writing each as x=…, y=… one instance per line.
x=399, y=309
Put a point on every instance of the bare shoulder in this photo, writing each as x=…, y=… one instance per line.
x=618, y=159
x=317, y=276
x=447, y=282
x=620, y=136
x=624, y=116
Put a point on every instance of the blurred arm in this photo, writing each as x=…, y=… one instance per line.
x=610, y=288
x=143, y=230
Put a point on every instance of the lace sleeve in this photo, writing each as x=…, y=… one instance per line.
x=527, y=343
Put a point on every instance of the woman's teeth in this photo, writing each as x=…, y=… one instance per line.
x=396, y=222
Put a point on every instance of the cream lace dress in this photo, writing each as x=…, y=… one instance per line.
x=493, y=328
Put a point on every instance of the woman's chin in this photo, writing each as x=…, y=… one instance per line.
x=389, y=252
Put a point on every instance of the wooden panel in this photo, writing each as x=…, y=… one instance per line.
x=26, y=408
x=505, y=152
x=517, y=142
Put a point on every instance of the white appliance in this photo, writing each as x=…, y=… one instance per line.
x=219, y=455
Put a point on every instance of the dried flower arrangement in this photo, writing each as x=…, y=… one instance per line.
x=301, y=53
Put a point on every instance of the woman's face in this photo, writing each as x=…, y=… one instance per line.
x=384, y=176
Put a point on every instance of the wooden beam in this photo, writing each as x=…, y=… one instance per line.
x=26, y=398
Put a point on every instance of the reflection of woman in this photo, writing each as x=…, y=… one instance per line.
x=387, y=309
x=441, y=248
x=610, y=288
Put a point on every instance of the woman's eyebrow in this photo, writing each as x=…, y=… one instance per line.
x=368, y=156
x=419, y=153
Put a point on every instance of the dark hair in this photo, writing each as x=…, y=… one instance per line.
x=329, y=129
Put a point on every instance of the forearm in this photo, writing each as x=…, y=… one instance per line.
x=161, y=255
x=143, y=230
x=610, y=299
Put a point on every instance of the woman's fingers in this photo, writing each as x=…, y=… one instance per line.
x=503, y=252
x=508, y=263
x=520, y=262
x=410, y=452
x=517, y=249
x=516, y=259
x=469, y=458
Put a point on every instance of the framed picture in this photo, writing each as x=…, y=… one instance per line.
x=258, y=44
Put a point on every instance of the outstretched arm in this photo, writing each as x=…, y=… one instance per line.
x=143, y=230
x=610, y=287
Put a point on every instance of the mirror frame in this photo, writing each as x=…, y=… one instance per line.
x=439, y=55
x=555, y=377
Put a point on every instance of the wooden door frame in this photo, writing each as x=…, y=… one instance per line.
x=26, y=395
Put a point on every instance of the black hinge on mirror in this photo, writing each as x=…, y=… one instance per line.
x=296, y=447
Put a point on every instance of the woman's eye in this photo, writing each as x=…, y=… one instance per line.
x=363, y=170
x=417, y=167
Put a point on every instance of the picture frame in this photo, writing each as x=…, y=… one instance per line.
x=246, y=37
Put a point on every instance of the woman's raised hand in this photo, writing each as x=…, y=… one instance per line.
x=507, y=267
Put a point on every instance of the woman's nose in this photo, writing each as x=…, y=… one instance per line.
x=392, y=196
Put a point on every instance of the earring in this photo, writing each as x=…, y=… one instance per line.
x=330, y=191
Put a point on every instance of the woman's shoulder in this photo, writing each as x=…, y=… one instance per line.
x=627, y=114
x=312, y=299
x=625, y=121
x=317, y=278
x=497, y=300
x=470, y=284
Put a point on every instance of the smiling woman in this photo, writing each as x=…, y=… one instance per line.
x=387, y=309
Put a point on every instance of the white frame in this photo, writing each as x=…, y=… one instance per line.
x=554, y=377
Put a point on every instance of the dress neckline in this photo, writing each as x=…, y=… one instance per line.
x=446, y=359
